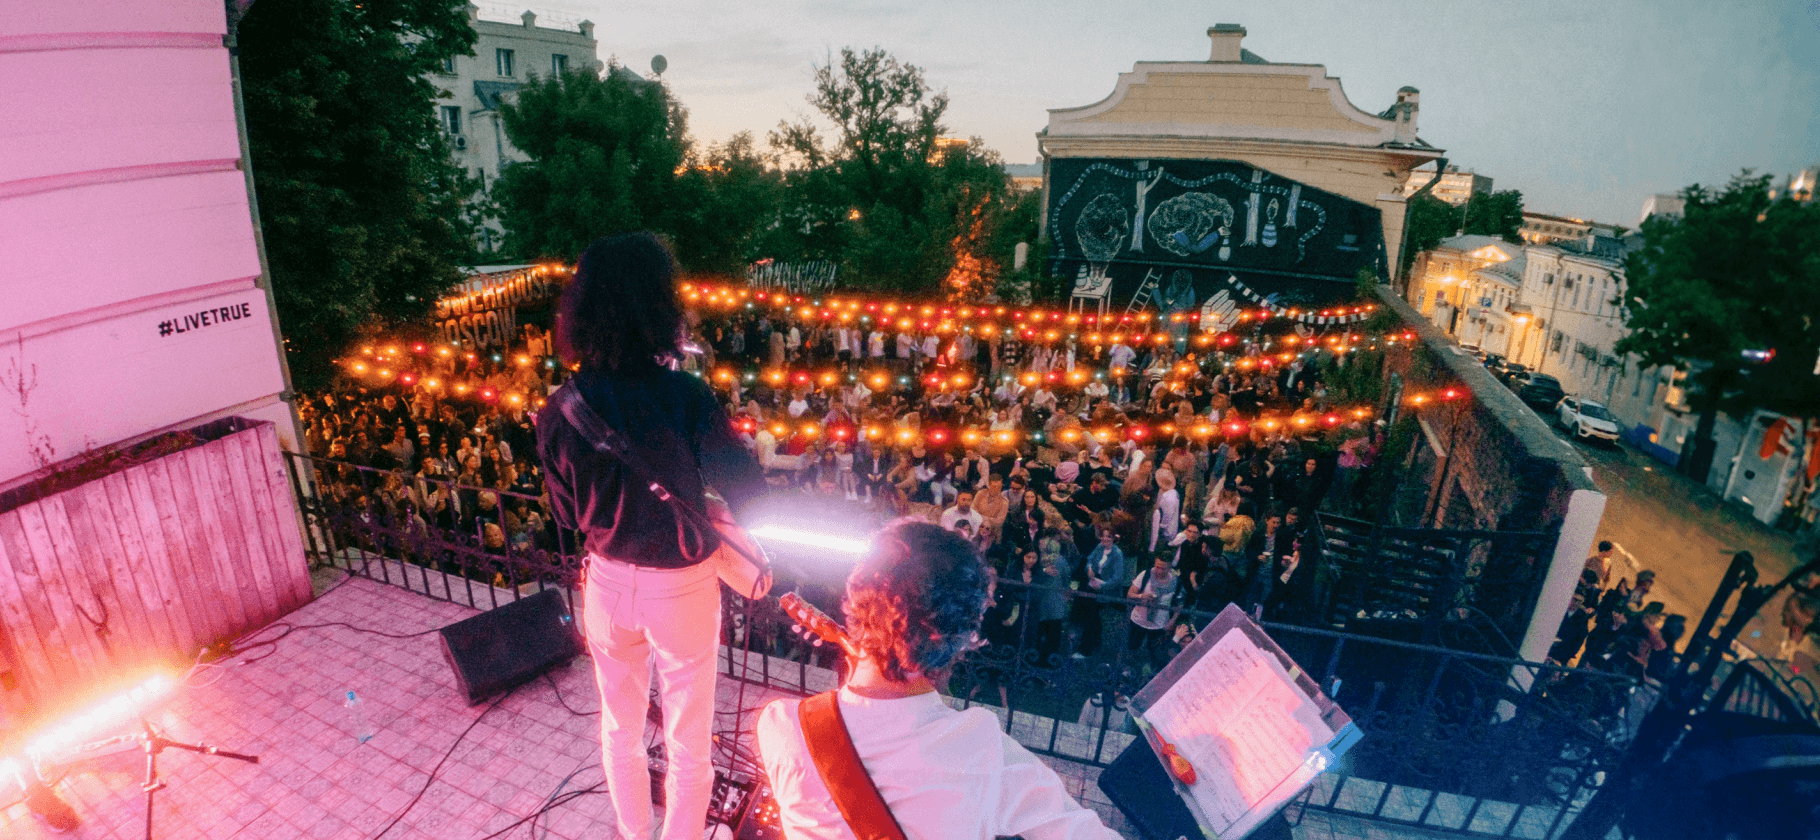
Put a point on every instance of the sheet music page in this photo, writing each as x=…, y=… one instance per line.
x=1237, y=716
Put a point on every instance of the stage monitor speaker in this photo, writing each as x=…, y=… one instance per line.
x=508, y=645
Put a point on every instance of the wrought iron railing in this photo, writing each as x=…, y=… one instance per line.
x=1429, y=584
x=1483, y=743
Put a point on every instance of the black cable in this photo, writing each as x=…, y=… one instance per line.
x=292, y=628
x=551, y=806
x=565, y=703
x=438, y=768
x=554, y=795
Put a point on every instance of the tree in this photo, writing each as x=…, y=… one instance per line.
x=1736, y=278
x=359, y=203
x=897, y=205
x=1494, y=214
x=603, y=155
x=1429, y=221
x=726, y=208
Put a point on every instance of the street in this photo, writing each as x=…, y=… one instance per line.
x=1675, y=526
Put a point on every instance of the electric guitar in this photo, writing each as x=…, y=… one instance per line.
x=812, y=622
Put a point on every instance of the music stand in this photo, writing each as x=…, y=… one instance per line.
x=153, y=744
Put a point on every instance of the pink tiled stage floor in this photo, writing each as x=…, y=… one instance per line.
x=283, y=703
x=315, y=781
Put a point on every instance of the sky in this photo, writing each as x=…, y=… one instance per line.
x=1587, y=107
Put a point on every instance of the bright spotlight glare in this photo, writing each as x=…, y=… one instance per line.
x=812, y=539
x=95, y=720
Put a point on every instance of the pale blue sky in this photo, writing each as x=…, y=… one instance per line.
x=1587, y=107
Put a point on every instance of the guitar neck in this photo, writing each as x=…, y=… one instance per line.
x=813, y=620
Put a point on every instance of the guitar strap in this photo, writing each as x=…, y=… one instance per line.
x=838, y=762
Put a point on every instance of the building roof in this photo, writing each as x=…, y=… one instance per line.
x=1475, y=241
x=1248, y=100
x=1509, y=272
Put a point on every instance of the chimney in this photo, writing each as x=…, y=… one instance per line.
x=1226, y=38
x=530, y=19
x=587, y=29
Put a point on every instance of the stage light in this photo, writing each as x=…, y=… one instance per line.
x=94, y=721
x=812, y=539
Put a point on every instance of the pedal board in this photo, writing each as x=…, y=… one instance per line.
x=745, y=806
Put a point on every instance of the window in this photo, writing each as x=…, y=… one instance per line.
x=559, y=64
x=503, y=58
x=1555, y=344
x=451, y=119
x=448, y=65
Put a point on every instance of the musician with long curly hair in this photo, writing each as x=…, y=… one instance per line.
x=913, y=606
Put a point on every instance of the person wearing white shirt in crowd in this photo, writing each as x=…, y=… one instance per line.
x=963, y=512
x=905, y=345
x=875, y=344
x=793, y=340
x=1096, y=390
x=912, y=606
x=932, y=346
x=1120, y=359
x=1166, y=517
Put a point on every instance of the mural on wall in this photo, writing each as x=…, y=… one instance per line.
x=1223, y=234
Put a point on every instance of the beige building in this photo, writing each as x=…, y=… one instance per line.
x=1455, y=187
x=1292, y=121
x=506, y=55
x=1543, y=229
x=1466, y=286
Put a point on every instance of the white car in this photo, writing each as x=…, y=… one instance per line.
x=1587, y=419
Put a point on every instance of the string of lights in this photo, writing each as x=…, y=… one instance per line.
x=1029, y=323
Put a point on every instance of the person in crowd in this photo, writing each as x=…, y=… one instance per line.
x=992, y=503
x=1105, y=571
x=1158, y=592
x=1600, y=562
x=963, y=511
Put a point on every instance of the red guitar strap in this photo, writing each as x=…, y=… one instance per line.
x=837, y=760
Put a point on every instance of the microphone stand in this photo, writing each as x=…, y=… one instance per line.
x=154, y=743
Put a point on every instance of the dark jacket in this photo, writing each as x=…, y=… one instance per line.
x=674, y=425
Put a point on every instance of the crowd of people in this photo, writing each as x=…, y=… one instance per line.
x=1071, y=466
x=1612, y=624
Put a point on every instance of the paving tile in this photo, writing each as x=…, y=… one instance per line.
x=316, y=781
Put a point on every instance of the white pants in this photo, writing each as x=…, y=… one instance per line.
x=637, y=618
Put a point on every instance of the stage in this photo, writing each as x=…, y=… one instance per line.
x=314, y=780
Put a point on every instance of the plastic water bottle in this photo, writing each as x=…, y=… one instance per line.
x=358, y=719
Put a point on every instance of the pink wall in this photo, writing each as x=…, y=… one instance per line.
x=122, y=207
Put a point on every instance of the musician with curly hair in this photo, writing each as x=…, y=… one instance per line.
x=913, y=606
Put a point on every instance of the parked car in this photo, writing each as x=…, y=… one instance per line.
x=1540, y=391
x=1587, y=420
x=1507, y=370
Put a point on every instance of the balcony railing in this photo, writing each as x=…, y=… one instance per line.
x=1453, y=740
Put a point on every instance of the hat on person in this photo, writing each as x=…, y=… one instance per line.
x=1644, y=575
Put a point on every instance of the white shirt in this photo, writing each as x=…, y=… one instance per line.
x=945, y=775
x=1165, y=518
x=953, y=515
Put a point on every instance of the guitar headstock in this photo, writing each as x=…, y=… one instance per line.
x=813, y=622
